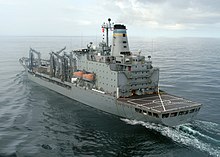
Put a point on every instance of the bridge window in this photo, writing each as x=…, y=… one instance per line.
x=124, y=42
x=149, y=113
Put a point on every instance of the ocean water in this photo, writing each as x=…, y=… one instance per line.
x=35, y=121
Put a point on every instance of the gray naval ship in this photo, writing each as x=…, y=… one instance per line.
x=112, y=79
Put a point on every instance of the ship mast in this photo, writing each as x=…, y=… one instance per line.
x=107, y=26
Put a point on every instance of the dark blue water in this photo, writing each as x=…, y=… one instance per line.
x=35, y=121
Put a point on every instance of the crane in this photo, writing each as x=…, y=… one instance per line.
x=31, y=56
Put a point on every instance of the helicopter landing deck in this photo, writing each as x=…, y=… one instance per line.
x=165, y=104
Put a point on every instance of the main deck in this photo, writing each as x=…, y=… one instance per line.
x=160, y=103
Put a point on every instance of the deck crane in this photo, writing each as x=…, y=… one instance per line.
x=32, y=62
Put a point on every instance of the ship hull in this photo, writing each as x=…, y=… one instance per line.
x=107, y=103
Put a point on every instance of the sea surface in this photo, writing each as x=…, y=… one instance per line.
x=35, y=121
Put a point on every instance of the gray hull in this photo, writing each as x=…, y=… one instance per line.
x=108, y=103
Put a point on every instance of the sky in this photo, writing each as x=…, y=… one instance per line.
x=148, y=18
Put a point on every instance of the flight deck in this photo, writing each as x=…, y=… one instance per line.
x=160, y=103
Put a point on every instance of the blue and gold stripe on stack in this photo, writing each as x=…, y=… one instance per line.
x=119, y=32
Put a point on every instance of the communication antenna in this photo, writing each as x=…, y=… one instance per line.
x=105, y=27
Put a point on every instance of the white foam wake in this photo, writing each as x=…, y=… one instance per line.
x=183, y=134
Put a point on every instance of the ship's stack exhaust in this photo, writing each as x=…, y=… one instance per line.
x=120, y=45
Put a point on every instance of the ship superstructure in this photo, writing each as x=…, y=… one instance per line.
x=110, y=78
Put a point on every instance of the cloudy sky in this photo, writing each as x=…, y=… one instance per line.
x=150, y=18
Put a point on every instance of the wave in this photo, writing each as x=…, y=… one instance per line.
x=187, y=135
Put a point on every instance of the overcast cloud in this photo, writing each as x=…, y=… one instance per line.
x=170, y=18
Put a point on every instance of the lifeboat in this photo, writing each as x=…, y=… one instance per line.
x=78, y=74
x=88, y=77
